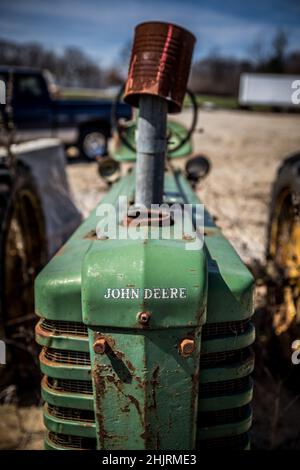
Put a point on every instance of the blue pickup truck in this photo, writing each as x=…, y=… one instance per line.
x=39, y=112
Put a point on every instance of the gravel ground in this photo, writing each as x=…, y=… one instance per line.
x=245, y=150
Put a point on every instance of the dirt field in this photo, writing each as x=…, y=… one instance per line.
x=245, y=150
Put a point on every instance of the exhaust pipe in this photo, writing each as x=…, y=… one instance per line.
x=157, y=79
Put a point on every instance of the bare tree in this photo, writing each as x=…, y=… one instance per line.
x=279, y=44
x=257, y=51
x=72, y=68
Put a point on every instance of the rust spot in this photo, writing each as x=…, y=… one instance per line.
x=109, y=340
x=186, y=347
x=130, y=365
x=100, y=387
x=140, y=383
x=195, y=379
x=144, y=318
x=135, y=402
x=40, y=332
x=47, y=362
x=154, y=383
x=110, y=378
x=100, y=346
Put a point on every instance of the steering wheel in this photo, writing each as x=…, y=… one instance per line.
x=121, y=127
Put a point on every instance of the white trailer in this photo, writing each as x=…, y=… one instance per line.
x=269, y=89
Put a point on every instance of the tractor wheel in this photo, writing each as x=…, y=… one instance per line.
x=23, y=253
x=283, y=259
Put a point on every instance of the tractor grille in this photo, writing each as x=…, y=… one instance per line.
x=70, y=414
x=215, y=418
x=56, y=327
x=224, y=358
x=77, y=358
x=72, y=442
x=216, y=330
x=238, y=442
x=209, y=331
x=83, y=387
x=207, y=420
x=223, y=388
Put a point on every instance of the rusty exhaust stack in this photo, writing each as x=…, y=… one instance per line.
x=158, y=73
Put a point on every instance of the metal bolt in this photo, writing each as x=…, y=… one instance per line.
x=144, y=318
x=100, y=346
x=187, y=347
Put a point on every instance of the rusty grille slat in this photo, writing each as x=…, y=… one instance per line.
x=224, y=358
x=58, y=327
x=72, y=442
x=70, y=386
x=238, y=442
x=225, y=387
x=71, y=414
x=216, y=330
x=60, y=356
x=214, y=418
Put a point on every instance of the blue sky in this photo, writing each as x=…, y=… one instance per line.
x=102, y=28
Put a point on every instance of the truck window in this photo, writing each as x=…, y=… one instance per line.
x=29, y=88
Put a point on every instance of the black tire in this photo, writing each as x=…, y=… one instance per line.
x=93, y=133
x=23, y=254
x=284, y=211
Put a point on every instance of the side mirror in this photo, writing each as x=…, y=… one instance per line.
x=197, y=168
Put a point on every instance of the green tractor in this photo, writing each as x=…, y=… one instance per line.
x=146, y=331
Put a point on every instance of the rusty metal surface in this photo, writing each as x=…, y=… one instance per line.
x=186, y=347
x=145, y=393
x=160, y=63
